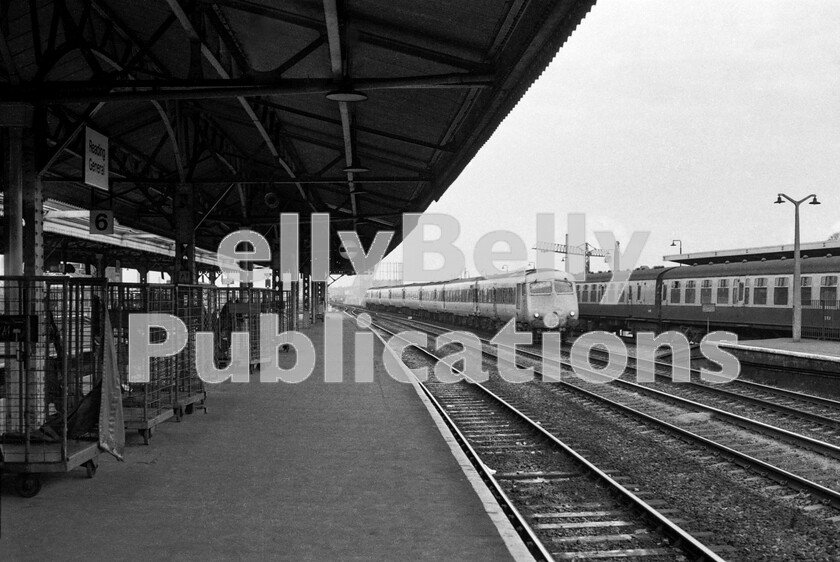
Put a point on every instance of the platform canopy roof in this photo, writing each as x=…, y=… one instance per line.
x=786, y=251
x=364, y=109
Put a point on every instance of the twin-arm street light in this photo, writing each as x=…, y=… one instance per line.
x=797, y=263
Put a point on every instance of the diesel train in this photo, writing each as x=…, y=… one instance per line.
x=750, y=298
x=539, y=300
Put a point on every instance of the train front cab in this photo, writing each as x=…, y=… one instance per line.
x=546, y=303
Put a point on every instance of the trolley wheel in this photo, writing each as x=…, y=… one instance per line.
x=146, y=434
x=27, y=485
x=90, y=468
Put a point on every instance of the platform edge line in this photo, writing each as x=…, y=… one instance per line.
x=511, y=538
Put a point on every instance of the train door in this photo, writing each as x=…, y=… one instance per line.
x=474, y=294
x=740, y=298
x=520, y=301
x=740, y=292
x=494, y=297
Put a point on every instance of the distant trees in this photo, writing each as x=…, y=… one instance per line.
x=834, y=237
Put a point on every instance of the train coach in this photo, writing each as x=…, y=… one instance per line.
x=538, y=300
x=749, y=298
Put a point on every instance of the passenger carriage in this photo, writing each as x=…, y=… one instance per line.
x=750, y=298
x=538, y=300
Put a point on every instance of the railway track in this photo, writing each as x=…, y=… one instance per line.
x=564, y=506
x=746, y=443
x=754, y=399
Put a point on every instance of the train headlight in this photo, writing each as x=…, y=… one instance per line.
x=572, y=313
x=536, y=315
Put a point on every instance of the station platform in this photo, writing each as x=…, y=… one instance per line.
x=279, y=471
x=811, y=366
x=814, y=349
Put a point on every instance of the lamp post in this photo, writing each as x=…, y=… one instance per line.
x=797, y=265
x=674, y=243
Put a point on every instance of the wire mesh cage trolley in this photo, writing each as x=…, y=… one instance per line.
x=51, y=336
x=147, y=404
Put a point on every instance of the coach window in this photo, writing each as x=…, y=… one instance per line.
x=760, y=291
x=675, y=292
x=780, y=292
x=806, y=291
x=639, y=292
x=828, y=289
x=584, y=293
x=690, y=292
x=706, y=291
x=723, y=291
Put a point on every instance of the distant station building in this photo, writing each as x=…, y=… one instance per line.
x=785, y=251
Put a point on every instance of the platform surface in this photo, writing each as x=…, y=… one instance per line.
x=279, y=471
x=818, y=349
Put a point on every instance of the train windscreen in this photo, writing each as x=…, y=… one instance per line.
x=561, y=286
x=541, y=288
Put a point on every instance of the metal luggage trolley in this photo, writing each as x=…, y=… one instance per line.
x=269, y=301
x=239, y=311
x=239, y=314
x=145, y=405
x=52, y=337
x=191, y=307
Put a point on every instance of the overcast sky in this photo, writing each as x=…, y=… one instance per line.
x=680, y=118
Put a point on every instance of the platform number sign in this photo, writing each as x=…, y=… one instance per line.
x=102, y=222
x=96, y=159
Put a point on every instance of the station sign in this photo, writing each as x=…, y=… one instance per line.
x=101, y=222
x=96, y=159
x=13, y=327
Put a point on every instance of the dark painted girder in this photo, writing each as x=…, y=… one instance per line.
x=229, y=97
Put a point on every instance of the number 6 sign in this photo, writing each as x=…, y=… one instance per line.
x=102, y=222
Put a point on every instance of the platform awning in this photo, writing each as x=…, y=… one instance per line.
x=365, y=109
